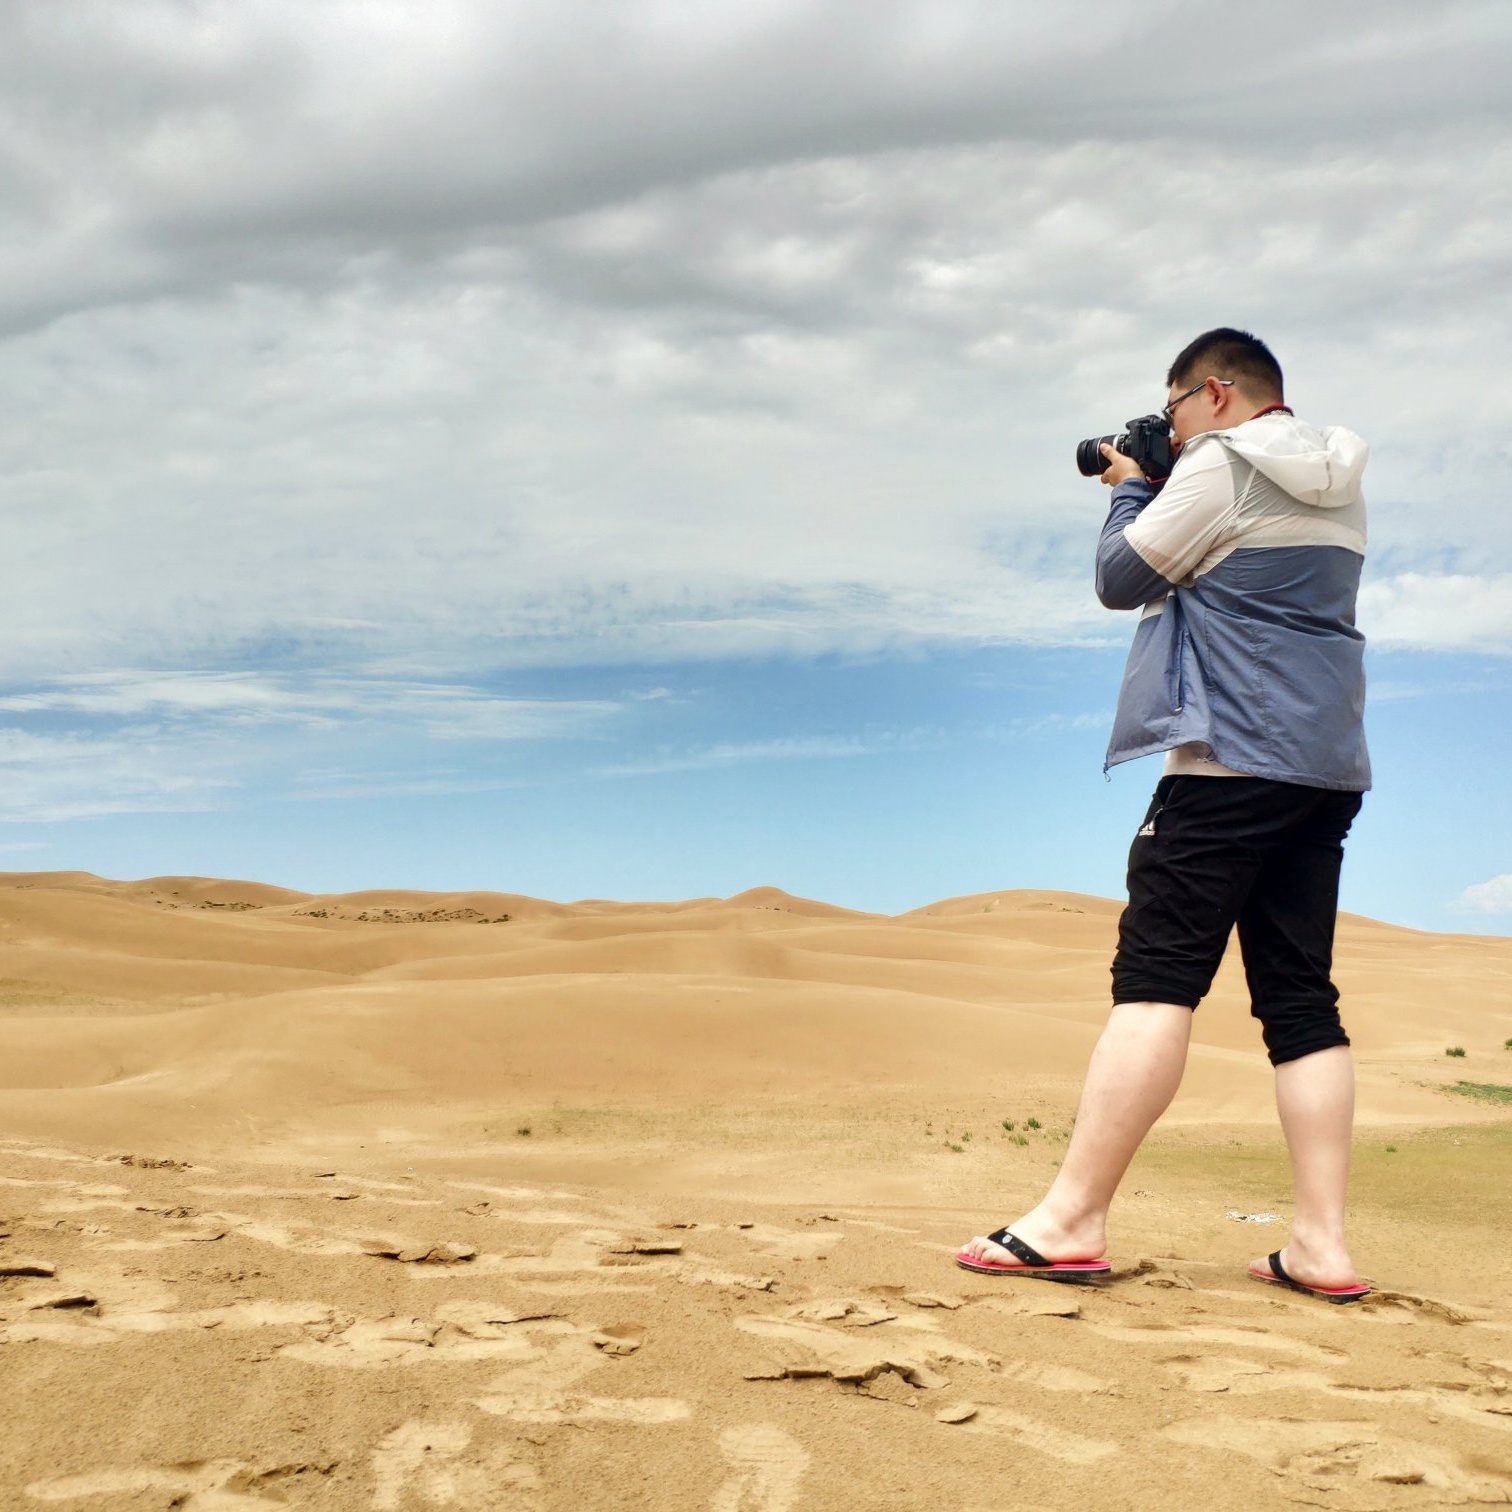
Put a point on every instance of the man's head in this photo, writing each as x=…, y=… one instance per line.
x=1220, y=379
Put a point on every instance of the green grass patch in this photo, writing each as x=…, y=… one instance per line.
x=1485, y=1091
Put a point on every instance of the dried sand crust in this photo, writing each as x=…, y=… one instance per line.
x=271, y=1233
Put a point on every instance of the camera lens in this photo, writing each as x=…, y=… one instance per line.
x=1090, y=462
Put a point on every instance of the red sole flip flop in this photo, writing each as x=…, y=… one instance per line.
x=1031, y=1263
x=1278, y=1277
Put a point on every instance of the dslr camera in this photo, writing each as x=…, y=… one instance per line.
x=1147, y=441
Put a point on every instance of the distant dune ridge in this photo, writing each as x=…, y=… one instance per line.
x=381, y=1199
x=124, y=996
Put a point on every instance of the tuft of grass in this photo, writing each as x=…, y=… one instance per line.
x=1507, y=1045
x=950, y=1145
x=1455, y=1050
x=523, y=1131
x=1483, y=1091
x=1391, y=1149
x=1031, y=1123
x=1019, y=1139
x=1009, y=1124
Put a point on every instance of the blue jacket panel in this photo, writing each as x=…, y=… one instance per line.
x=1253, y=651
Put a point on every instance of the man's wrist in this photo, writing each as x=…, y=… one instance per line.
x=1136, y=490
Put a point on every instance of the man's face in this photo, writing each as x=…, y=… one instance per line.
x=1195, y=408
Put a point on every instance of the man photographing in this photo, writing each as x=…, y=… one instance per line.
x=1246, y=671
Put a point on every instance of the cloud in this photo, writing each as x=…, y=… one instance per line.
x=132, y=741
x=1492, y=897
x=223, y=136
x=845, y=747
x=1441, y=612
x=72, y=777
x=742, y=753
x=471, y=338
x=441, y=712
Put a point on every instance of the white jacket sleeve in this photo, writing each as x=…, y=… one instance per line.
x=1194, y=514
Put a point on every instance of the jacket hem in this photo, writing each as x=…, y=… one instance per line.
x=1249, y=769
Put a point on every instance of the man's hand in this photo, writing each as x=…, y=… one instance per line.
x=1120, y=467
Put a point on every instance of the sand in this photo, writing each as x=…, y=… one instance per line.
x=401, y=1201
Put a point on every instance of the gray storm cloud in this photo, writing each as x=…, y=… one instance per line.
x=452, y=336
x=204, y=141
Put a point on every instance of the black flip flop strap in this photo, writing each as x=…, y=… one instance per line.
x=1016, y=1247
x=1278, y=1270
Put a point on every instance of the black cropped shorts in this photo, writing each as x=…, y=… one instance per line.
x=1215, y=852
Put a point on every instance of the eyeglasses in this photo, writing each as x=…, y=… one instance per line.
x=1167, y=409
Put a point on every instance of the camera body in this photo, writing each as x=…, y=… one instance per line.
x=1147, y=441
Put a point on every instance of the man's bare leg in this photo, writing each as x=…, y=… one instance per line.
x=1134, y=1072
x=1315, y=1098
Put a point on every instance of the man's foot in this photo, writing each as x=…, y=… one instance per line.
x=1332, y=1278
x=1054, y=1241
x=1026, y=1261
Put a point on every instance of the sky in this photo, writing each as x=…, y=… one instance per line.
x=627, y=451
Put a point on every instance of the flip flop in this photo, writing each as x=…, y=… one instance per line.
x=1032, y=1263
x=1278, y=1277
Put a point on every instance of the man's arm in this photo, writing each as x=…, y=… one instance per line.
x=1149, y=543
x=1124, y=579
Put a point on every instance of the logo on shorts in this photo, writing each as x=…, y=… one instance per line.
x=1147, y=828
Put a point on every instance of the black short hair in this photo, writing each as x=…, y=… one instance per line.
x=1227, y=353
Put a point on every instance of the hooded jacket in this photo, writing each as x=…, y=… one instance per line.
x=1246, y=565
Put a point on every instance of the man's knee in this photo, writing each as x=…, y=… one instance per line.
x=1149, y=982
x=1291, y=1034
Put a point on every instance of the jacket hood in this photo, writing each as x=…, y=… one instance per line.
x=1317, y=467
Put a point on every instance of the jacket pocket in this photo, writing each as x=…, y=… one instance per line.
x=1176, y=657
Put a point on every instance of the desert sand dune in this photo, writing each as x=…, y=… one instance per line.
x=405, y=1200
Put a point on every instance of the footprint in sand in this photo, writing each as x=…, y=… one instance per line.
x=767, y=1466
x=797, y=1346
x=1057, y=1443
x=789, y=1244
x=1486, y=1406
x=430, y=1464
x=98, y=1308
x=543, y=1388
x=1326, y=1456
x=1209, y=1334
x=210, y=1486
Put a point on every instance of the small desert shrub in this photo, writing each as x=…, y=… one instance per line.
x=1019, y=1139
x=1391, y=1149
x=523, y=1131
x=1031, y=1123
x=1009, y=1124
x=1456, y=1050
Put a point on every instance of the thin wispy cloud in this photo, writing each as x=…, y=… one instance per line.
x=441, y=711
x=745, y=753
x=50, y=779
x=127, y=741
